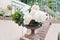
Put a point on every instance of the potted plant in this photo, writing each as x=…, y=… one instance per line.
x=31, y=20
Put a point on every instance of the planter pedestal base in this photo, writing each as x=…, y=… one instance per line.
x=31, y=36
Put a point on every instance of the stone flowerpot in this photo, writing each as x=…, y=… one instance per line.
x=32, y=26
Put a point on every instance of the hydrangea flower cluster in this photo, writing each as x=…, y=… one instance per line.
x=36, y=14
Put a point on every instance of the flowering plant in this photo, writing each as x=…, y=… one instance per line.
x=35, y=17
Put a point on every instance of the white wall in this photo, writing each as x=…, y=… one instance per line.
x=4, y=3
x=10, y=31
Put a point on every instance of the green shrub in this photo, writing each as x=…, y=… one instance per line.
x=2, y=13
x=18, y=17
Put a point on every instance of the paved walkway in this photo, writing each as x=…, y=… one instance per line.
x=41, y=32
x=9, y=30
x=53, y=32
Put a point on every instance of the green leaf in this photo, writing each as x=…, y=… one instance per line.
x=18, y=17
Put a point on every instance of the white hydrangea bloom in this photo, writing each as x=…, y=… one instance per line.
x=34, y=9
x=27, y=19
x=32, y=13
x=35, y=14
x=40, y=16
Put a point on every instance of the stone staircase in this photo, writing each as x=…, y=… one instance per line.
x=41, y=32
